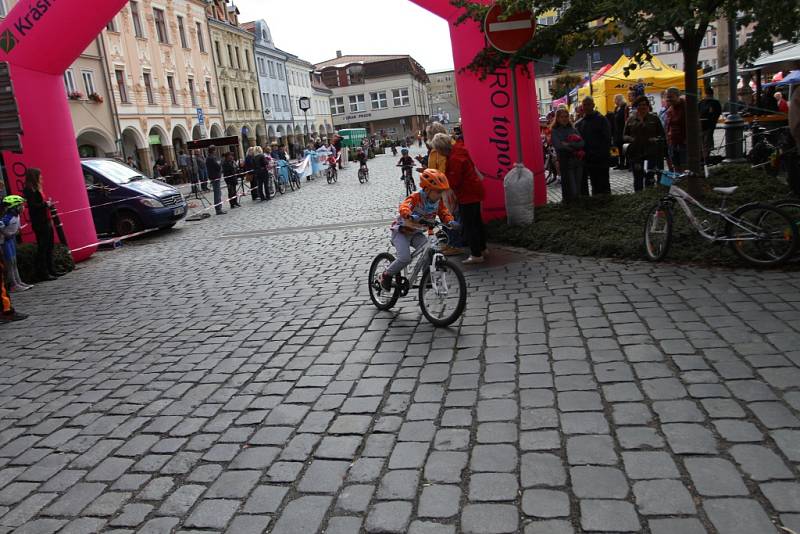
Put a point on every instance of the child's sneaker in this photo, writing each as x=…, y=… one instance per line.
x=386, y=281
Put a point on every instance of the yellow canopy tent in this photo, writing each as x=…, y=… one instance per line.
x=655, y=75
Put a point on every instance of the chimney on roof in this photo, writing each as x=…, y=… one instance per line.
x=338, y=53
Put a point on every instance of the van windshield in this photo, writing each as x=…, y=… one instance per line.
x=116, y=172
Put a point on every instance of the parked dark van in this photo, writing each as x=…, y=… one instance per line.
x=125, y=202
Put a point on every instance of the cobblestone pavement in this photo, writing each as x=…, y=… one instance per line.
x=231, y=376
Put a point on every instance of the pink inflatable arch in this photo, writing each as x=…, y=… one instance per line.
x=489, y=120
x=39, y=40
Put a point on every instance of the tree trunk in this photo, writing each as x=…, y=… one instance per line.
x=694, y=142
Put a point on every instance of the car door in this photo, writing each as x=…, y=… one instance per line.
x=98, y=200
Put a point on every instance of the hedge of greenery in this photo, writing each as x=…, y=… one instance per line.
x=613, y=227
x=26, y=261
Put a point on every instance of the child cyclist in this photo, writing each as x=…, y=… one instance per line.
x=9, y=228
x=405, y=161
x=425, y=204
x=361, y=157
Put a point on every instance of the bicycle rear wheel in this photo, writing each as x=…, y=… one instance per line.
x=381, y=298
x=443, y=294
x=281, y=187
x=658, y=232
x=764, y=236
x=292, y=184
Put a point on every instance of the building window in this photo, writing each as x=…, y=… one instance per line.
x=260, y=65
x=210, y=94
x=201, y=42
x=172, y=94
x=400, y=97
x=285, y=100
x=182, y=32
x=337, y=105
x=225, y=98
x=219, y=53
x=280, y=72
x=238, y=59
x=236, y=97
x=655, y=47
x=192, y=93
x=161, y=26
x=111, y=26
x=357, y=103
x=88, y=82
x=714, y=39
x=123, y=90
x=271, y=66
x=230, y=57
x=247, y=60
x=277, y=102
x=137, y=20
x=148, y=88
x=265, y=101
x=69, y=82
x=379, y=100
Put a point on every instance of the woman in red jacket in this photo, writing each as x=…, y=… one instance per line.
x=467, y=185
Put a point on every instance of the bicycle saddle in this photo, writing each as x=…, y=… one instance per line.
x=726, y=190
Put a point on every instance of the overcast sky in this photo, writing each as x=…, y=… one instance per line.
x=316, y=29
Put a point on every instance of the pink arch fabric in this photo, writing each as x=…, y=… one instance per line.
x=489, y=123
x=39, y=40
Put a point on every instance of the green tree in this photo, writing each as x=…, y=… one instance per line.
x=563, y=84
x=583, y=24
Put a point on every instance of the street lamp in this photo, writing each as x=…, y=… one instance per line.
x=305, y=105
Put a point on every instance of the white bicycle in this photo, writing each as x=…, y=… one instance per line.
x=760, y=234
x=442, y=288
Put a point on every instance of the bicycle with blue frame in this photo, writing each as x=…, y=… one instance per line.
x=760, y=234
x=442, y=287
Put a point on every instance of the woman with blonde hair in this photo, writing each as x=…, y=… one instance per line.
x=438, y=160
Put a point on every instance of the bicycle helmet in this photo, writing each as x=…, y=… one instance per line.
x=404, y=151
x=434, y=180
x=13, y=201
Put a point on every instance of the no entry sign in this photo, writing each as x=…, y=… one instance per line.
x=511, y=33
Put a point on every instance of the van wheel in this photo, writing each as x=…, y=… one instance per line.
x=127, y=223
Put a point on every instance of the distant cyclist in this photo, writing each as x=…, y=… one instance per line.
x=361, y=157
x=405, y=161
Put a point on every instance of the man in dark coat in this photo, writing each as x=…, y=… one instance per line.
x=215, y=175
x=596, y=134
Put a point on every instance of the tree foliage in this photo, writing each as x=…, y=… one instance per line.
x=563, y=84
x=583, y=24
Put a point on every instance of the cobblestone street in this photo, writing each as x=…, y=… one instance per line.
x=232, y=376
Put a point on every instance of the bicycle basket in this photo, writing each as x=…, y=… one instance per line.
x=668, y=178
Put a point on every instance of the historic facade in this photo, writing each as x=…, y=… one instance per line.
x=86, y=85
x=387, y=95
x=299, y=75
x=240, y=94
x=444, y=97
x=321, y=102
x=271, y=69
x=158, y=56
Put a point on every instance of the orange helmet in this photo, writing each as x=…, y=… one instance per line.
x=434, y=180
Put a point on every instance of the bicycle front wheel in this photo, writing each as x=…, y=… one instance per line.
x=762, y=235
x=282, y=187
x=658, y=232
x=382, y=299
x=443, y=294
x=292, y=184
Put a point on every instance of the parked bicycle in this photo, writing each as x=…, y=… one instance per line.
x=760, y=234
x=769, y=148
x=408, y=178
x=442, y=288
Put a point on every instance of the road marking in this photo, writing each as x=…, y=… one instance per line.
x=510, y=25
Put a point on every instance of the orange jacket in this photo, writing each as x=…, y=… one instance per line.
x=415, y=205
